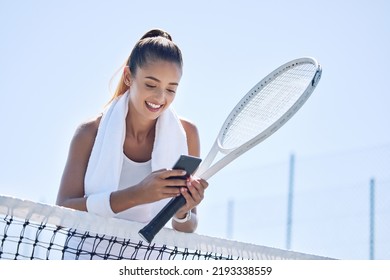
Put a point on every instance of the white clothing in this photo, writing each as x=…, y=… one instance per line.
x=132, y=174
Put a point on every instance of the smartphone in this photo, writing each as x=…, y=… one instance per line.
x=187, y=163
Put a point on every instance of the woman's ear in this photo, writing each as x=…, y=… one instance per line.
x=127, y=77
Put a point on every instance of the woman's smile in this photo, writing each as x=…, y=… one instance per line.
x=153, y=106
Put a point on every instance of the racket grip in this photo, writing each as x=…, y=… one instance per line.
x=159, y=221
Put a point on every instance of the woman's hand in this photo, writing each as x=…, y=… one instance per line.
x=158, y=185
x=193, y=193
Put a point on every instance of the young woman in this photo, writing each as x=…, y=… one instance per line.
x=118, y=163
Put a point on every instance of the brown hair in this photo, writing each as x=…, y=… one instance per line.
x=154, y=45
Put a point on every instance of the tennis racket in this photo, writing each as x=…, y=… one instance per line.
x=262, y=111
x=259, y=114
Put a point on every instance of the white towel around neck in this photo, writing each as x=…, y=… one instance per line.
x=105, y=163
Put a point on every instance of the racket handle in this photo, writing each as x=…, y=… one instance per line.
x=158, y=222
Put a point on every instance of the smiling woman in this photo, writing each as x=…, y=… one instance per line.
x=118, y=162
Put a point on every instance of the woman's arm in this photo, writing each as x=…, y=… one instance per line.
x=71, y=191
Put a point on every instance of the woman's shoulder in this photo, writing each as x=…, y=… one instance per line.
x=87, y=130
x=189, y=127
x=192, y=134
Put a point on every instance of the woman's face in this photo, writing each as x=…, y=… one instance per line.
x=153, y=88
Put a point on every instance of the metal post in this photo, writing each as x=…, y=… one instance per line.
x=372, y=218
x=290, y=201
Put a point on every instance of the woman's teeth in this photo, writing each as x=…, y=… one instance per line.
x=152, y=105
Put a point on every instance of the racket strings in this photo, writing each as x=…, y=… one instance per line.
x=266, y=103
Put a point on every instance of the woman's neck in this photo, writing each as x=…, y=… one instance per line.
x=139, y=128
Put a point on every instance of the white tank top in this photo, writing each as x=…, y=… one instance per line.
x=132, y=173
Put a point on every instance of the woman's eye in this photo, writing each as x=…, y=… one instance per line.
x=171, y=91
x=150, y=86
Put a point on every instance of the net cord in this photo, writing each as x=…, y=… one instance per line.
x=44, y=214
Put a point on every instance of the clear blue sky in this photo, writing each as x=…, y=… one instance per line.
x=57, y=59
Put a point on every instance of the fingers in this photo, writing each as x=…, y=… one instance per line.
x=171, y=181
x=165, y=174
x=199, y=184
x=194, y=193
x=174, y=178
x=171, y=194
x=171, y=184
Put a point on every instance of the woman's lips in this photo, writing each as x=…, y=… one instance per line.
x=153, y=106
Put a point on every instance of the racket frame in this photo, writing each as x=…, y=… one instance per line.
x=206, y=170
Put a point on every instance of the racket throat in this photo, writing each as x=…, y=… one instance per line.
x=207, y=161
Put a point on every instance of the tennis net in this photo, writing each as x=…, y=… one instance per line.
x=31, y=230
